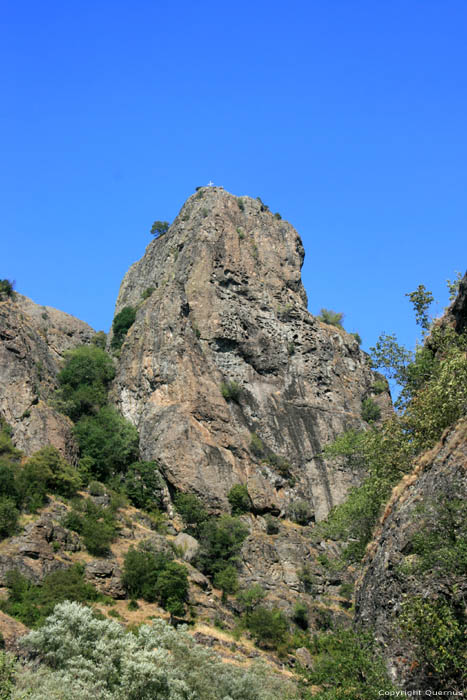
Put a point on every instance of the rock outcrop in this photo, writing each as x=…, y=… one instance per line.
x=222, y=310
x=33, y=339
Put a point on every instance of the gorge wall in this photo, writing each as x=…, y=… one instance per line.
x=220, y=300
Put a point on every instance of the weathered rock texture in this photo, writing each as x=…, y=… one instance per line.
x=32, y=342
x=386, y=582
x=229, y=306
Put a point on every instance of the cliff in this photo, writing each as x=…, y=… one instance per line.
x=221, y=305
x=33, y=340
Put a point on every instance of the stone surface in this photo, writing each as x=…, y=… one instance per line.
x=229, y=306
x=106, y=576
x=33, y=339
x=187, y=544
x=384, y=585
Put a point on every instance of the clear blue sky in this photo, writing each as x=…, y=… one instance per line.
x=346, y=116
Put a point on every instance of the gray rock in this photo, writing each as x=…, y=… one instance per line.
x=187, y=544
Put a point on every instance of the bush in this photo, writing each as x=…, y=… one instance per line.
x=95, y=523
x=192, y=510
x=220, y=542
x=379, y=386
x=62, y=477
x=256, y=445
x=6, y=289
x=371, y=412
x=89, y=659
x=357, y=337
x=9, y=515
x=272, y=524
x=172, y=588
x=231, y=391
x=300, y=615
x=239, y=499
x=301, y=512
x=144, y=485
x=7, y=481
x=121, y=325
x=109, y=440
x=307, y=578
x=84, y=381
x=147, y=292
x=249, y=598
x=159, y=228
x=153, y=576
x=227, y=580
x=99, y=339
x=32, y=603
x=268, y=627
x=332, y=318
x=241, y=204
x=95, y=488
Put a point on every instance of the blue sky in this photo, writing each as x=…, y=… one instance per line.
x=346, y=116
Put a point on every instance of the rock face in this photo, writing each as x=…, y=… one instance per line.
x=387, y=582
x=221, y=303
x=32, y=342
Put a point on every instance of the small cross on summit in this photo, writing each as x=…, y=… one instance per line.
x=210, y=183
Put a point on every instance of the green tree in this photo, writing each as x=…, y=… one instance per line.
x=191, y=509
x=9, y=515
x=172, y=587
x=268, y=627
x=332, y=318
x=159, y=228
x=121, y=325
x=84, y=381
x=239, y=499
x=144, y=485
x=421, y=300
x=220, y=542
x=227, y=581
x=6, y=289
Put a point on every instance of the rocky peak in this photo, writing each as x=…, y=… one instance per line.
x=225, y=373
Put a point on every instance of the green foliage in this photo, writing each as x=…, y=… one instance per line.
x=307, y=578
x=192, y=510
x=144, y=485
x=95, y=523
x=277, y=216
x=227, y=580
x=220, y=542
x=204, y=212
x=256, y=446
x=379, y=386
x=268, y=627
x=84, y=381
x=121, y=325
x=61, y=476
x=153, y=576
x=421, y=300
x=147, y=292
x=231, y=391
x=6, y=289
x=300, y=512
x=8, y=669
x=332, y=318
x=272, y=524
x=300, y=615
x=99, y=339
x=9, y=515
x=438, y=629
x=262, y=205
x=346, y=664
x=8, y=487
x=357, y=337
x=251, y=597
x=93, y=659
x=453, y=286
x=32, y=603
x=371, y=412
x=159, y=228
x=95, y=488
x=108, y=440
x=241, y=204
x=172, y=588
x=391, y=358
x=239, y=499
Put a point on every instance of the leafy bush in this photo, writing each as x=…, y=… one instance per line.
x=241, y=204
x=6, y=289
x=301, y=512
x=300, y=615
x=84, y=381
x=192, y=510
x=227, y=580
x=32, y=603
x=307, y=578
x=99, y=339
x=95, y=488
x=95, y=523
x=9, y=515
x=251, y=597
x=379, y=386
x=95, y=659
x=121, y=325
x=357, y=337
x=159, y=228
x=220, y=542
x=370, y=411
x=281, y=464
x=332, y=318
x=231, y=391
x=108, y=440
x=147, y=292
x=239, y=499
x=256, y=445
x=268, y=627
x=272, y=524
x=144, y=485
x=153, y=576
x=277, y=216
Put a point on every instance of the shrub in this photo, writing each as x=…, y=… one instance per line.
x=370, y=411
x=239, y=499
x=262, y=205
x=99, y=339
x=227, y=580
x=32, y=603
x=7, y=481
x=277, y=216
x=231, y=391
x=307, y=578
x=256, y=445
x=133, y=605
x=300, y=615
x=249, y=598
x=172, y=587
x=62, y=477
x=159, y=228
x=281, y=464
x=147, y=292
x=121, y=325
x=144, y=485
x=95, y=488
x=379, y=386
x=6, y=289
x=95, y=523
x=272, y=524
x=108, y=440
x=301, y=512
x=357, y=337
x=9, y=515
x=191, y=509
x=84, y=381
x=241, y=204
x=141, y=570
x=268, y=627
x=89, y=658
x=220, y=542
x=332, y=318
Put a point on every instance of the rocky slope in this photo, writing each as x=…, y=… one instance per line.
x=225, y=304
x=33, y=339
